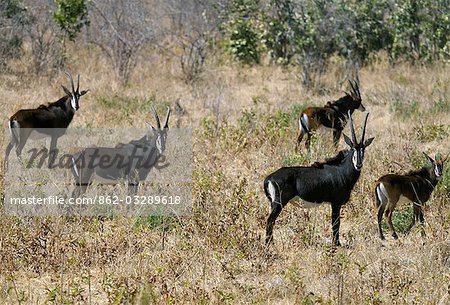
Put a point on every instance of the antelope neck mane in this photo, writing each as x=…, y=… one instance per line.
x=421, y=172
x=333, y=161
x=59, y=103
x=339, y=102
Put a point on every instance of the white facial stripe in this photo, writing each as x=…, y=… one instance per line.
x=73, y=103
x=436, y=170
x=355, y=160
x=159, y=144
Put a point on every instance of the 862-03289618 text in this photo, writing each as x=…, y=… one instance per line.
x=99, y=199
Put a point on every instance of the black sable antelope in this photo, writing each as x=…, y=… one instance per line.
x=331, y=182
x=415, y=186
x=332, y=115
x=44, y=119
x=130, y=161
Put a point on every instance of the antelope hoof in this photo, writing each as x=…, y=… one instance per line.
x=395, y=235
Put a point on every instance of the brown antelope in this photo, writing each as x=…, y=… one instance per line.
x=330, y=182
x=332, y=115
x=415, y=186
x=45, y=121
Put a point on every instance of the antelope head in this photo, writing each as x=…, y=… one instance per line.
x=160, y=134
x=437, y=163
x=355, y=94
x=357, y=148
x=74, y=95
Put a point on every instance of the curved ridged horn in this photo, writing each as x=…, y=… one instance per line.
x=166, y=124
x=364, y=128
x=78, y=84
x=353, y=88
x=352, y=129
x=71, y=81
x=158, y=123
x=357, y=89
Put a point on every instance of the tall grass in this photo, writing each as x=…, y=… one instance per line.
x=217, y=254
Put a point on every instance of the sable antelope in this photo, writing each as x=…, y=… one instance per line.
x=415, y=186
x=332, y=115
x=323, y=182
x=131, y=161
x=45, y=121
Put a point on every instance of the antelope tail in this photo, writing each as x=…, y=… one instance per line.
x=380, y=195
x=14, y=129
x=304, y=123
x=377, y=197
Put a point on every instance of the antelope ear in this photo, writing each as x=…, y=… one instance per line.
x=348, y=141
x=428, y=157
x=66, y=90
x=83, y=92
x=150, y=126
x=446, y=158
x=368, y=141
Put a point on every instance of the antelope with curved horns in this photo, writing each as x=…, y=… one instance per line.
x=415, y=186
x=44, y=119
x=332, y=115
x=131, y=161
x=331, y=182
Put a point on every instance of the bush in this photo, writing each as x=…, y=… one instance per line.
x=242, y=29
x=71, y=16
x=12, y=20
x=428, y=133
x=401, y=219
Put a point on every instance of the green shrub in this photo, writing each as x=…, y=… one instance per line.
x=443, y=187
x=278, y=124
x=428, y=133
x=441, y=106
x=296, y=160
x=401, y=219
x=161, y=222
x=71, y=16
x=244, y=43
x=208, y=127
x=247, y=121
x=417, y=160
x=126, y=106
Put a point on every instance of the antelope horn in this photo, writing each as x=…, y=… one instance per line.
x=364, y=128
x=428, y=157
x=71, y=81
x=352, y=129
x=446, y=157
x=158, y=123
x=166, y=125
x=357, y=88
x=353, y=88
x=78, y=83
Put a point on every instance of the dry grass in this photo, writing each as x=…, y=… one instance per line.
x=216, y=255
